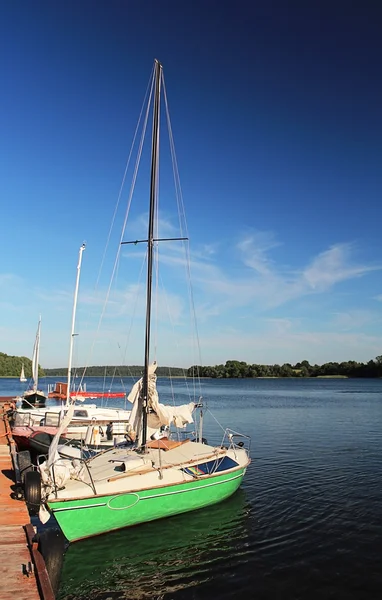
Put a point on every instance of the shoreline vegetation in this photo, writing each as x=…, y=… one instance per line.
x=10, y=366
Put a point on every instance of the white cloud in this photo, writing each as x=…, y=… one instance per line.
x=265, y=284
x=209, y=250
x=10, y=279
x=254, y=250
x=224, y=292
x=279, y=326
x=271, y=285
x=332, y=266
x=354, y=319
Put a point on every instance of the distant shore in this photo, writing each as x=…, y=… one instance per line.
x=204, y=377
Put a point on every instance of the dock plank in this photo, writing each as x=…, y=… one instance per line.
x=17, y=576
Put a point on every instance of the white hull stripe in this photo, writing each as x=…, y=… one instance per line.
x=194, y=489
x=77, y=507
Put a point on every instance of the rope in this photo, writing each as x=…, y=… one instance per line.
x=124, y=224
x=184, y=232
x=125, y=175
x=215, y=419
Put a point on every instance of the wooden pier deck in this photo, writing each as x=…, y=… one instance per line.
x=23, y=574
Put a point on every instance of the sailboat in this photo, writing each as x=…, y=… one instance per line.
x=22, y=374
x=164, y=473
x=99, y=427
x=34, y=396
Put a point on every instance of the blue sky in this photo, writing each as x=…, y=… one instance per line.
x=276, y=116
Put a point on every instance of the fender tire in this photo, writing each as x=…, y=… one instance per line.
x=52, y=546
x=25, y=463
x=32, y=491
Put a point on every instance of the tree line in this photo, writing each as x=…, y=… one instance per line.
x=115, y=371
x=237, y=369
x=10, y=366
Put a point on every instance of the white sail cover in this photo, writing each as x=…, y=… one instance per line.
x=64, y=468
x=162, y=414
x=53, y=452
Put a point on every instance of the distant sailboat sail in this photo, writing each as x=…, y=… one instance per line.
x=22, y=375
x=35, y=396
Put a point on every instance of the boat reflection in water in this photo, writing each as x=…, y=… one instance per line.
x=156, y=558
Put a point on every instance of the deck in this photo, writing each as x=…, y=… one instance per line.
x=22, y=569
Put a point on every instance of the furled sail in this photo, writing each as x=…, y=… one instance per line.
x=159, y=414
x=56, y=471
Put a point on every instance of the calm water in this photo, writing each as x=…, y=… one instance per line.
x=307, y=522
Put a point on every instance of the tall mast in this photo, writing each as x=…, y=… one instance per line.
x=150, y=242
x=36, y=356
x=72, y=334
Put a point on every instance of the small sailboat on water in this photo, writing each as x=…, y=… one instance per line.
x=164, y=473
x=34, y=396
x=23, y=379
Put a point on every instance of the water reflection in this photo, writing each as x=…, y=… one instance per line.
x=158, y=558
x=314, y=485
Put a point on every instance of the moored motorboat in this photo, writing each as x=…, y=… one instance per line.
x=35, y=439
x=111, y=422
x=76, y=441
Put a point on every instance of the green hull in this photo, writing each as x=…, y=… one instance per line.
x=95, y=515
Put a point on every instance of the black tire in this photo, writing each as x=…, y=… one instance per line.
x=32, y=491
x=25, y=463
x=52, y=546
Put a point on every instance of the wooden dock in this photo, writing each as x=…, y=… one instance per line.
x=23, y=574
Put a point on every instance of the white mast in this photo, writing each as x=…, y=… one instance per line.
x=72, y=334
x=35, y=357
